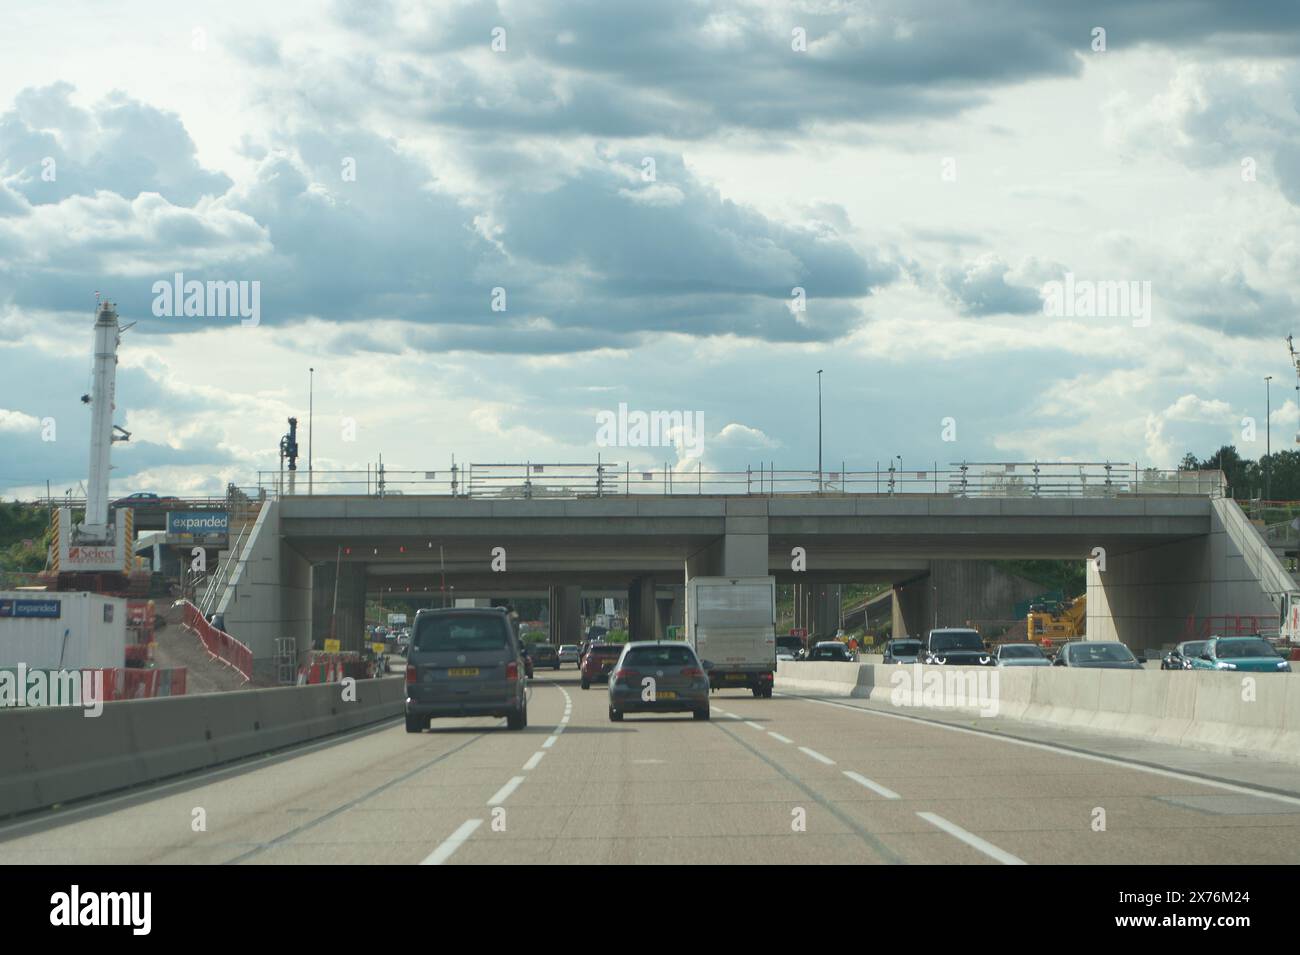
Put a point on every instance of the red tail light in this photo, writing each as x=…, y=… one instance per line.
x=692, y=671
x=512, y=671
x=627, y=674
x=410, y=674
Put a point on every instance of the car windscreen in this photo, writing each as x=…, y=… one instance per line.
x=1021, y=653
x=660, y=657
x=956, y=640
x=461, y=632
x=1193, y=649
x=1245, y=647
x=829, y=653
x=789, y=643
x=906, y=648
x=1084, y=652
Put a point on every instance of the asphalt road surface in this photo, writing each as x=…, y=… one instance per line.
x=766, y=781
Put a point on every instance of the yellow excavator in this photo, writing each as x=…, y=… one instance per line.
x=1055, y=622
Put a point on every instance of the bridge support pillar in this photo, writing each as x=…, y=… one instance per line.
x=566, y=614
x=643, y=610
x=349, y=621
x=1226, y=581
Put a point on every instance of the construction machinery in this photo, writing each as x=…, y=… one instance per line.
x=1056, y=621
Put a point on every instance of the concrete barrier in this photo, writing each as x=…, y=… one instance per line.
x=1256, y=714
x=52, y=755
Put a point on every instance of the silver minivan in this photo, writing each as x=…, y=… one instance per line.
x=465, y=661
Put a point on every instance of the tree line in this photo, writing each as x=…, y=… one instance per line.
x=1275, y=477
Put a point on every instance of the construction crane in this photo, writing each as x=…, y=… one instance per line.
x=96, y=554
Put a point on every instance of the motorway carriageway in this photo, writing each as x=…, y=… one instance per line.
x=575, y=788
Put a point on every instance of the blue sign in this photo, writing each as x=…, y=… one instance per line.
x=10, y=607
x=197, y=524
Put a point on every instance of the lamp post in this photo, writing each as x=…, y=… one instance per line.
x=819, y=430
x=1268, y=434
x=311, y=393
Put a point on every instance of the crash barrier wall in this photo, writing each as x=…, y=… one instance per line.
x=52, y=755
x=219, y=643
x=1253, y=713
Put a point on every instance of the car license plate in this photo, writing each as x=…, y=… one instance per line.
x=737, y=677
x=666, y=695
x=463, y=671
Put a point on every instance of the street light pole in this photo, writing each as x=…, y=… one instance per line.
x=311, y=394
x=819, y=430
x=1268, y=435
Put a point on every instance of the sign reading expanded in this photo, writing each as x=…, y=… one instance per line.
x=204, y=526
x=30, y=608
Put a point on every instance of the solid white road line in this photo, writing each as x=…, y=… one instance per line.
x=816, y=755
x=874, y=787
x=534, y=760
x=453, y=842
x=779, y=738
x=504, y=792
x=1063, y=751
x=972, y=840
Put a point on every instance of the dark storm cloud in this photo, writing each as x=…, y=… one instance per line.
x=685, y=68
x=343, y=225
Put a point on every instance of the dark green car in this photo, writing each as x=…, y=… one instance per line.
x=1251, y=654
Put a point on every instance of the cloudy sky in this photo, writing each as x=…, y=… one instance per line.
x=638, y=189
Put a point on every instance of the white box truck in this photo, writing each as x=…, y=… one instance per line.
x=731, y=623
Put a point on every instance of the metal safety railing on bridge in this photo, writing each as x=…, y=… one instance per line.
x=619, y=479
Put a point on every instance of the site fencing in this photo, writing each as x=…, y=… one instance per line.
x=219, y=643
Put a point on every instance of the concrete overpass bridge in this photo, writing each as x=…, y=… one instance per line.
x=1162, y=546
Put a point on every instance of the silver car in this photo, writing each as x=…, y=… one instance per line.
x=465, y=662
x=568, y=653
x=658, y=678
x=1020, y=655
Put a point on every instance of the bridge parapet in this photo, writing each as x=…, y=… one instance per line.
x=1033, y=479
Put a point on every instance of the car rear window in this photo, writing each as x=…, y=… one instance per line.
x=606, y=650
x=955, y=640
x=1021, y=653
x=660, y=656
x=461, y=632
x=1085, y=652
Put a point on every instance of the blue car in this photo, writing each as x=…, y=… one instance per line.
x=1252, y=654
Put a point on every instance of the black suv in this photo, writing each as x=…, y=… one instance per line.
x=959, y=646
